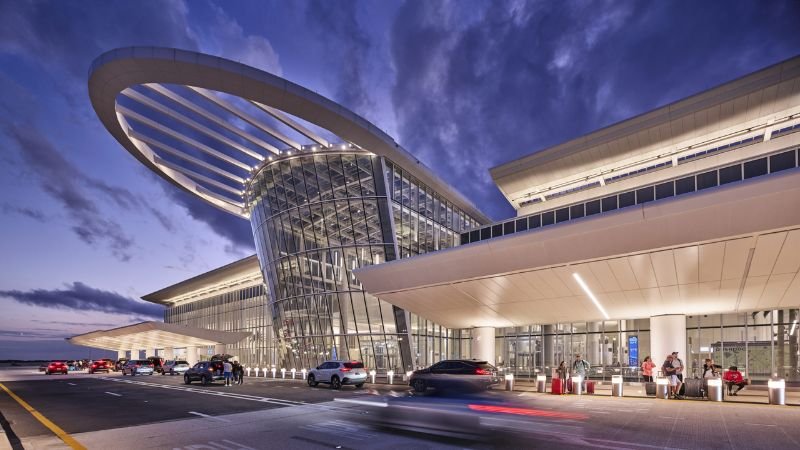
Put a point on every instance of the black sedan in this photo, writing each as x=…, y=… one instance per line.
x=455, y=374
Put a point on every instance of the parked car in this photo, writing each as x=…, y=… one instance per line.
x=120, y=364
x=56, y=367
x=158, y=363
x=338, y=373
x=455, y=374
x=101, y=365
x=138, y=367
x=175, y=367
x=205, y=372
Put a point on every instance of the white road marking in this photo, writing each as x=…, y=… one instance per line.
x=361, y=402
x=762, y=424
x=208, y=417
x=72, y=384
x=115, y=395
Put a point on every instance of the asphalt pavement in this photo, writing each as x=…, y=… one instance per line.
x=111, y=411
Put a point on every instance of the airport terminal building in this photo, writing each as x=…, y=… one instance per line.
x=678, y=229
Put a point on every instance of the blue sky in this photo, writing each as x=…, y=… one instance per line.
x=464, y=85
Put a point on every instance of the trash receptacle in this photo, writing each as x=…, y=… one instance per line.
x=662, y=388
x=777, y=391
x=541, y=383
x=715, y=389
x=510, y=382
x=577, y=385
x=616, y=385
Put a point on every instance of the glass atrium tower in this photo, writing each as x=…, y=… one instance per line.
x=319, y=215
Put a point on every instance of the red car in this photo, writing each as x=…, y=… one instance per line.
x=101, y=365
x=56, y=367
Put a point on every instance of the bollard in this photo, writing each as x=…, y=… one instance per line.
x=304, y=372
x=283, y=373
x=372, y=375
x=294, y=371
x=616, y=385
x=541, y=383
x=247, y=369
x=715, y=389
x=777, y=391
x=662, y=388
x=510, y=382
x=273, y=373
x=256, y=369
x=577, y=387
x=390, y=374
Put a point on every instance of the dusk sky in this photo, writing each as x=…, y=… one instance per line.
x=464, y=85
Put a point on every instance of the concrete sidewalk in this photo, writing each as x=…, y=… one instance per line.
x=750, y=394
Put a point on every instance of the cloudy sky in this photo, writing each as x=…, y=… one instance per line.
x=464, y=85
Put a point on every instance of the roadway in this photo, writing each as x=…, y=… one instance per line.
x=160, y=412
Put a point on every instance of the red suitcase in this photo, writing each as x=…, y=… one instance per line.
x=556, y=387
x=590, y=387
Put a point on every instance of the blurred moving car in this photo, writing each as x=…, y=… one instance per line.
x=56, y=367
x=158, y=363
x=488, y=416
x=138, y=367
x=455, y=374
x=338, y=373
x=205, y=372
x=175, y=367
x=101, y=365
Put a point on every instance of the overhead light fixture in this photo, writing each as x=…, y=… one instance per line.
x=794, y=325
x=589, y=293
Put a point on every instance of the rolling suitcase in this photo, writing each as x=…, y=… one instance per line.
x=556, y=387
x=590, y=387
x=650, y=388
x=693, y=387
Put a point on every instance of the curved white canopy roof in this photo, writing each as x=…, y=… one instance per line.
x=234, y=116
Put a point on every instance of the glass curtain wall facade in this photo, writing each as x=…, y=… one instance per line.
x=612, y=347
x=318, y=216
x=236, y=310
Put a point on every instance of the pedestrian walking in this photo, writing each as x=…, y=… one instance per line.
x=647, y=369
x=227, y=370
x=240, y=369
x=677, y=363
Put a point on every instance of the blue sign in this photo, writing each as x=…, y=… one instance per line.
x=633, y=351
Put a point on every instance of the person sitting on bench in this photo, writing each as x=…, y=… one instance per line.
x=734, y=378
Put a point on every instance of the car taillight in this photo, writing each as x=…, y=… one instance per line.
x=482, y=372
x=346, y=369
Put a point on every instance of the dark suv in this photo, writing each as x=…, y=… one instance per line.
x=158, y=363
x=205, y=372
x=461, y=374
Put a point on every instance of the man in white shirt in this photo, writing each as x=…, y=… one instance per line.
x=227, y=372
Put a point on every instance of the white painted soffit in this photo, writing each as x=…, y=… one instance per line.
x=155, y=335
x=487, y=283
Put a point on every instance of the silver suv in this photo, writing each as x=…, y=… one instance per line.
x=337, y=373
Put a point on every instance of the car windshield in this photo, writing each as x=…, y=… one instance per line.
x=354, y=365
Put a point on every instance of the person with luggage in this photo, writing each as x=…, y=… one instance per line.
x=581, y=367
x=734, y=378
x=563, y=374
x=677, y=363
x=647, y=369
x=670, y=372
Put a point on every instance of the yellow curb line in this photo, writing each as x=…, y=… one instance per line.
x=63, y=435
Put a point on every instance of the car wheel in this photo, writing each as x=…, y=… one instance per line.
x=204, y=381
x=419, y=386
x=186, y=380
x=312, y=381
x=47, y=372
x=360, y=385
x=335, y=382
